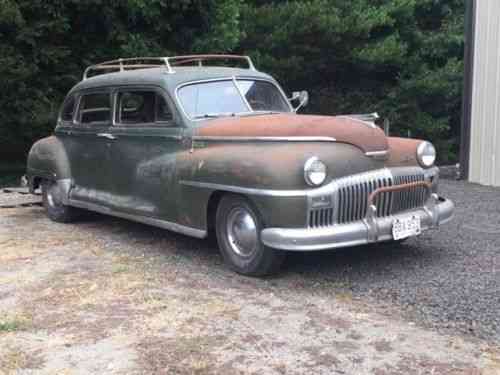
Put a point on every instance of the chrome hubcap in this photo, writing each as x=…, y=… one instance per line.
x=242, y=232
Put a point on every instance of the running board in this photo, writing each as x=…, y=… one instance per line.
x=188, y=231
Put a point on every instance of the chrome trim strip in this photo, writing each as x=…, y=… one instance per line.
x=249, y=107
x=243, y=190
x=377, y=154
x=262, y=139
x=106, y=135
x=193, y=232
x=330, y=188
x=120, y=132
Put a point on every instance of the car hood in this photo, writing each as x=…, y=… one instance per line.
x=343, y=129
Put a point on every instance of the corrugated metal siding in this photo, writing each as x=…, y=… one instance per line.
x=484, y=164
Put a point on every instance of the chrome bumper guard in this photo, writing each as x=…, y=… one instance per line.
x=371, y=229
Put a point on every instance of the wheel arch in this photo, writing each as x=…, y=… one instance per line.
x=213, y=204
x=211, y=213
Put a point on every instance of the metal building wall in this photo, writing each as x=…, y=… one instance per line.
x=484, y=156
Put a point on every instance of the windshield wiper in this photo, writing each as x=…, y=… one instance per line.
x=215, y=115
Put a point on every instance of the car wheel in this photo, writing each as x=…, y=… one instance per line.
x=238, y=228
x=53, y=203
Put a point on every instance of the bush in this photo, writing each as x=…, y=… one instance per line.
x=401, y=58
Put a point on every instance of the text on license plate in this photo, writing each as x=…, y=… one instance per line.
x=406, y=227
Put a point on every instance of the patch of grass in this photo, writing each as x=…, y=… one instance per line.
x=10, y=326
x=181, y=355
x=14, y=359
x=120, y=268
x=13, y=324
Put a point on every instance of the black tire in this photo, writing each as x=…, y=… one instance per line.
x=52, y=202
x=235, y=215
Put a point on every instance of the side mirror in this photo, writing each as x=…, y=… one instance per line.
x=302, y=97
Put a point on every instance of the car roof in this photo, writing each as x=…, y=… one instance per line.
x=160, y=77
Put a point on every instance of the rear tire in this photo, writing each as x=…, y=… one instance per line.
x=238, y=228
x=53, y=203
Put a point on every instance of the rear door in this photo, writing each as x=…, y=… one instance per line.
x=88, y=144
x=143, y=158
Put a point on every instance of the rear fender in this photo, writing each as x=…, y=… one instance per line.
x=48, y=160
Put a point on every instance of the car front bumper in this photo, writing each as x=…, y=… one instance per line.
x=435, y=212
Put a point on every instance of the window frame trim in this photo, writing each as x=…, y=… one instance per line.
x=228, y=78
x=76, y=116
x=156, y=124
x=60, y=120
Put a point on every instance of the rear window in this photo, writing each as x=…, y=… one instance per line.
x=94, y=108
x=68, y=109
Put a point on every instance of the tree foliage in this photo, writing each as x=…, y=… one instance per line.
x=401, y=58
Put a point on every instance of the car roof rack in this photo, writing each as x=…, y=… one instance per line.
x=121, y=65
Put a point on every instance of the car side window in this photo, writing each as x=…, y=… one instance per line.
x=142, y=107
x=68, y=110
x=94, y=108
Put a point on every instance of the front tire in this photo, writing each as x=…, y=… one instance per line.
x=53, y=203
x=238, y=228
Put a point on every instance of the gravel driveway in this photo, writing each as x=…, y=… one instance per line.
x=445, y=279
x=109, y=296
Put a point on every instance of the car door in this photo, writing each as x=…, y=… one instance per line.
x=143, y=158
x=87, y=143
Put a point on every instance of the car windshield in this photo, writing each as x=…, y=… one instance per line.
x=231, y=98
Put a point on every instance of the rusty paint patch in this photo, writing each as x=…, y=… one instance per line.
x=403, y=152
x=343, y=129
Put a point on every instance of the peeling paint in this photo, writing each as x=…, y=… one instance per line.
x=343, y=129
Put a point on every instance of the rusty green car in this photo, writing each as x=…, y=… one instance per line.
x=200, y=147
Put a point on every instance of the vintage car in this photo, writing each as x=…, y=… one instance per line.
x=207, y=144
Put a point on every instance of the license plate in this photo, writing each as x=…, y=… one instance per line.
x=406, y=227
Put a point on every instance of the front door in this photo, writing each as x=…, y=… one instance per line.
x=143, y=158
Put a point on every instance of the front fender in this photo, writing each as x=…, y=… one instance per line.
x=270, y=165
x=270, y=174
x=403, y=152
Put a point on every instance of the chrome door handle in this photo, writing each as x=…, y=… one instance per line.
x=106, y=135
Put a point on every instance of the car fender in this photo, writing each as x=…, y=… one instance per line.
x=48, y=159
x=403, y=152
x=270, y=174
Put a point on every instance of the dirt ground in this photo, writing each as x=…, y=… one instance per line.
x=109, y=296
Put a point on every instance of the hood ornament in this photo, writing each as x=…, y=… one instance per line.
x=367, y=118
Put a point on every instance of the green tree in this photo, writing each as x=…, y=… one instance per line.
x=46, y=44
x=401, y=58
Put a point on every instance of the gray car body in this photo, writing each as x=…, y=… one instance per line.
x=173, y=178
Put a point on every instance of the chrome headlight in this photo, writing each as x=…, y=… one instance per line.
x=426, y=154
x=314, y=171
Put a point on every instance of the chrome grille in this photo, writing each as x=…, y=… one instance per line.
x=353, y=196
x=321, y=217
x=352, y=192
